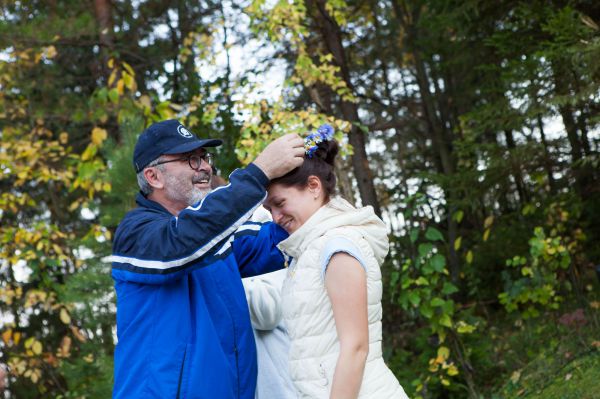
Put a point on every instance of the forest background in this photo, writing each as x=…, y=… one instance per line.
x=472, y=127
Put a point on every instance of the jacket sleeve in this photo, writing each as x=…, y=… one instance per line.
x=255, y=248
x=154, y=248
x=264, y=299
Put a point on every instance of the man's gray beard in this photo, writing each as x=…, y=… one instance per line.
x=193, y=194
x=197, y=195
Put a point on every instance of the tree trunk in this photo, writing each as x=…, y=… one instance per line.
x=441, y=140
x=331, y=34
x=517, y=175
x=103, y=12
x=547, y=159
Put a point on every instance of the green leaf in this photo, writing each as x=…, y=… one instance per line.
x=414, y=298
x=414, y=235
x=113, y=95
x=449, y=288
x=438, y=262
x=394, y=278
x=435, y=302
x=458, y=216
x=434, y=234
x=446, y=321
x=425, y=249
x=464, y=328
x=426, y=311
x=422, y=281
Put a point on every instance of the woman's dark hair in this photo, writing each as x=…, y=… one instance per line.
x=321, y=165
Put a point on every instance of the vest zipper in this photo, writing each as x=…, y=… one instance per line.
x=181, y=374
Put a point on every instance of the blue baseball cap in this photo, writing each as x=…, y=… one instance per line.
x=166, y=137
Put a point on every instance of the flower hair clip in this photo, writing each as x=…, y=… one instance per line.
x=323, y=133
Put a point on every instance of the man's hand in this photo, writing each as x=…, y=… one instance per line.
x=281, y=156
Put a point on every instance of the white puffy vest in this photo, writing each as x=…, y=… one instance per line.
x=307, y=310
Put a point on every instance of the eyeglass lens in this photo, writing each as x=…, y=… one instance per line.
x=196, y=160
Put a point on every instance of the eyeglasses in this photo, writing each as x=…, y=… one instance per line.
x=194, y=160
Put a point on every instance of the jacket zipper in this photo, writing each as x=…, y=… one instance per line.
x=237, y=369
x=181, y=374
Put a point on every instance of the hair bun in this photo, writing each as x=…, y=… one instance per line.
x=327, y=151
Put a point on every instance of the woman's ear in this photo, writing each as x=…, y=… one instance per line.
x=154, y=177
x=314, y=186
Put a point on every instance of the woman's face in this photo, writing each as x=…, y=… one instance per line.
x=291, y=207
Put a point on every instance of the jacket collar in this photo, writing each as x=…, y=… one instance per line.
x=143, y=201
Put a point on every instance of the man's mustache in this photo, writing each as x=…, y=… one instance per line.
x=201, y=176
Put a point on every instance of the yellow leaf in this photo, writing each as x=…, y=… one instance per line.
x=469, y=257
x=488, y=222
x=77, y=334
x=452, y=370
x=111, y=63
x=121, y=87
x=146, y=102
x=589, y=22
x=89, y=152
x=457, y=243
x=65, y=347
x=112, y=77
x=128, y=68
x=527, y=271
x=6, y=335
x=486, y=234
x=443, y=352
x=50, y=52
x=515, y=377
x=73, y=206
x=445, y=382
x=35, y=375
x=98, y=135
x=16, y=338
x=63, y=137
x=36, y=347
x=64, y=316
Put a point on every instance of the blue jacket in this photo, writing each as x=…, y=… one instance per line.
x=182, y=319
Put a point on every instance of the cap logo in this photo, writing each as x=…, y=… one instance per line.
x=184, y=132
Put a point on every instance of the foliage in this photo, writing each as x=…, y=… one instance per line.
x=479, y=119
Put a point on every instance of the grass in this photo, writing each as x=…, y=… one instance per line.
x=566, y=365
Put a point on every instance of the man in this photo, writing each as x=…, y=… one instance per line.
x=182, y=318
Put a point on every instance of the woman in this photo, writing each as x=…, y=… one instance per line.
x=331, y=296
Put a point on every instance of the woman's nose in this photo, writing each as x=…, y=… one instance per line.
x=276, y=215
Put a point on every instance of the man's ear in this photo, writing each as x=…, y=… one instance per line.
x=154, y=177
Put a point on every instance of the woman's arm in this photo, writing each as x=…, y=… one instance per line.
x=346, y=284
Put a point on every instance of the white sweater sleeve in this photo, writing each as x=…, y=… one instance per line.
x=264, y=299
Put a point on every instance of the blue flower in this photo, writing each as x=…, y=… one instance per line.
x=323, y=133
